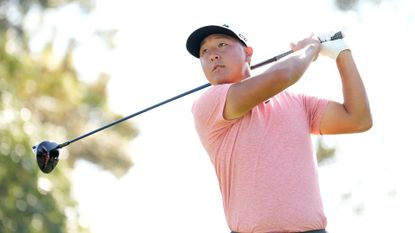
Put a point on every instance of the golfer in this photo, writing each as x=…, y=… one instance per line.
x=257, y=133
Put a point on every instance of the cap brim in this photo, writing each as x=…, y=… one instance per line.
x=195, y=39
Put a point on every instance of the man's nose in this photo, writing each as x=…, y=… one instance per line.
x=214, y=57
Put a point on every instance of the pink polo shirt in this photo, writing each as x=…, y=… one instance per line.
x=264, y=161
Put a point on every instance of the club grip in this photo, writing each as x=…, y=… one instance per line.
x=337, y=36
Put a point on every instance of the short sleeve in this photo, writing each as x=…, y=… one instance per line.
x=315, y=108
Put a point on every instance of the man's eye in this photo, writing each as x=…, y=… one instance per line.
x=222, y=44
x=203, y=51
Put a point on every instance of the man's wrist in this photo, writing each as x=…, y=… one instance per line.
x=315, y=50
x=344, y=52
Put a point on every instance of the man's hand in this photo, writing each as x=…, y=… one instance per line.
x=308, y=41
x=332, y=48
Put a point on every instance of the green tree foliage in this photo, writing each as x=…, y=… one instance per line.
x=42, y=98
x=323, y=151
x=13, y=12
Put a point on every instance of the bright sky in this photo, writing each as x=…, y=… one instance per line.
x=172, y=187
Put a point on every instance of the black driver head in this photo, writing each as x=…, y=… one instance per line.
x=47, y=155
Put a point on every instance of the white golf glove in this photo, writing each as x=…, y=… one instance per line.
x=332, y=48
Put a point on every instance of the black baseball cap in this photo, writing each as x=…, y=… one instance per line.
x=196, y=38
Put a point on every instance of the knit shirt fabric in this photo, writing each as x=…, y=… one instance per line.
x=264, y=161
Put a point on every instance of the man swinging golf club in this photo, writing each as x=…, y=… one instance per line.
x=257, y=134
x=47, y=152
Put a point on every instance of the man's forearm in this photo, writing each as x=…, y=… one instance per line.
x=243, y=96
x=282, y=74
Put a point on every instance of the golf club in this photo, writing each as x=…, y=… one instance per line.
x=47, y=152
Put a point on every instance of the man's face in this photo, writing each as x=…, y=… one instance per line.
x=224, y=59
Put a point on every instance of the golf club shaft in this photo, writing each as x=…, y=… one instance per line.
x=133, y=115
x=336, y=36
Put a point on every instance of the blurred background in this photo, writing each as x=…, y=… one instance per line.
x=70, y=66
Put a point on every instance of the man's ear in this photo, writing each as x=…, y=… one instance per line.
x=248, y=52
